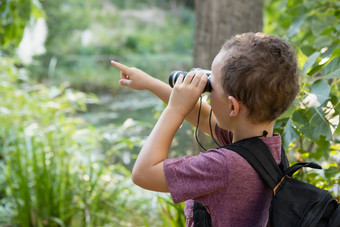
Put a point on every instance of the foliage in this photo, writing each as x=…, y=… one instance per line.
x=310, y=128
x=172, y=214
x=53, y=171
x=82, y=47
x=13, y=18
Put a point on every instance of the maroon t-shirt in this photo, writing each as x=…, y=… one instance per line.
x=224, y=182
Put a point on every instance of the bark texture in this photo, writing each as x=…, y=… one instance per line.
x=219, y=20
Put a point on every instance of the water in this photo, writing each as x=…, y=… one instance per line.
x=130, y=117
x=116, y=109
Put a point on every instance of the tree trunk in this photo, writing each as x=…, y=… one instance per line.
x=217, y=21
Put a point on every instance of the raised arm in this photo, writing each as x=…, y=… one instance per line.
x=139, y=80
x=148, y=171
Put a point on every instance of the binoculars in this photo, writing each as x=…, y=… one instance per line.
x=175, y=74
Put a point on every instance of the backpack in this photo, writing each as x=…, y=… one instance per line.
x=294, y=202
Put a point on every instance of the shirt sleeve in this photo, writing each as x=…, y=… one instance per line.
x=225, y=137
x=192, y=177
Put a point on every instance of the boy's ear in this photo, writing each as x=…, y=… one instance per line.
x=234, y=106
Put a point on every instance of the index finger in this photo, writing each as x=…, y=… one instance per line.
x=119, y=66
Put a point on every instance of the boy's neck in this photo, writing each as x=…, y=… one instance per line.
x=247, y=130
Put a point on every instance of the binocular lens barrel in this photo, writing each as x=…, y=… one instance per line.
x=175, y=74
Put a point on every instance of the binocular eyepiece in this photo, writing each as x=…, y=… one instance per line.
x=175, y=74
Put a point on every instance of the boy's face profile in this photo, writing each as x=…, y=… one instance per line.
x=218, y=99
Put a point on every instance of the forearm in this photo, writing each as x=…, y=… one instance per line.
x=160, y=89
x=155, y=151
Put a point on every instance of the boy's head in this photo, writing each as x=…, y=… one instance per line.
x=261, y=71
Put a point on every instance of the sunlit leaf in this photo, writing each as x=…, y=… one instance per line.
x=310, y=61
x=335, y=53
x=302, y=58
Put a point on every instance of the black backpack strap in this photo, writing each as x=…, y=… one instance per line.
x=256, y=152
x=284, y=161
x=201, y=216
x=291, y=170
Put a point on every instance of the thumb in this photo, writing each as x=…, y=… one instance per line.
x=124, y=82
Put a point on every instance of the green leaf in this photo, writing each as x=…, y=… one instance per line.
x=317, y=155
x=323, y=148
x=335, y=53
x=322, y=41
x=334, y=75
x=332, y=171
x=307, y=49
x=338, y=27
x=289, y=112
x=332, y=69
x=317, y=27
x=321, y=89
x=312, y=123
x=58, y=221
x=302, y=56
x=289, y=133
x=295, y=26
x=337, y=130
x=310, y=61
x=337, y=107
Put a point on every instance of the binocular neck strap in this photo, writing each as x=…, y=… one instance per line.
x=198, y=122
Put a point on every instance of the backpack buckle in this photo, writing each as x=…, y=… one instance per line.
x=276, y=187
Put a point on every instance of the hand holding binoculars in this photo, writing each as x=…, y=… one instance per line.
x=175, y=74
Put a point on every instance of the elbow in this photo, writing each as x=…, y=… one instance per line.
x=141, y=178
x=134, y=177
x=137, y=177
x=150, y=179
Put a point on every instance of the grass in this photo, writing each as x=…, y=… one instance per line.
x=54, y=172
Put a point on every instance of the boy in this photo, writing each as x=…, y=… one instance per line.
x=254, y=80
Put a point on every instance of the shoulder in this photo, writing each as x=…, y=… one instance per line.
x=194, y=177
x=211, y=159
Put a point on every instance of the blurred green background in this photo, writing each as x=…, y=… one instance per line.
x=70, y=134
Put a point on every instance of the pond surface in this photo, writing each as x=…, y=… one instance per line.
x=116, y=109
x=139, y=111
